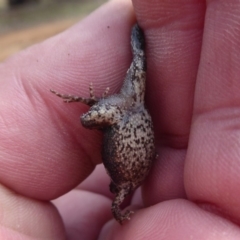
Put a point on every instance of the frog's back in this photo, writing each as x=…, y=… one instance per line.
x=129, y=148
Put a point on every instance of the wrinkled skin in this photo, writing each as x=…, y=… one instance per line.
x=193, y=95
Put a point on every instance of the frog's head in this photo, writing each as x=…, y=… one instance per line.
x=99, y=116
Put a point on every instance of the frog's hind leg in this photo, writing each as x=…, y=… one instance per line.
x=119, y=198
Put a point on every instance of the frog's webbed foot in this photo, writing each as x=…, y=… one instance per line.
x=88, y=101
x=119, y=216
x=116, y=210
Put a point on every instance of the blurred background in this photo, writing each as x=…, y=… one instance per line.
x=25, y=22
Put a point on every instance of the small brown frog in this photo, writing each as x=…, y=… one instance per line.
x=128, y=141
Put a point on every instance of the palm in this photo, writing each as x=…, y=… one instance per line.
x=192, y=94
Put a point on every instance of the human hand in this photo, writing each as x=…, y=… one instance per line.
x=192, y=89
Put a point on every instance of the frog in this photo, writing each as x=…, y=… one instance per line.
x=128, y=148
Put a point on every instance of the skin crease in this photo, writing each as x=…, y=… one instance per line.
x=192, y=80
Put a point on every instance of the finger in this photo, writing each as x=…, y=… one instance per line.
x=176, y=219
x=173, y=31
x=212, y=167
x=23, y=218
x=44, y=150
x=83, y=213
x=173, y=37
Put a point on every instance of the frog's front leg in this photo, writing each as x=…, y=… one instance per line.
x=88, y=101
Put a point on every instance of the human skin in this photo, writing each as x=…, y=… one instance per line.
x=193, y=94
